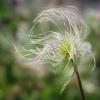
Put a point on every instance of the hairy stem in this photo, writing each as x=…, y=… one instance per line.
x=79, y=80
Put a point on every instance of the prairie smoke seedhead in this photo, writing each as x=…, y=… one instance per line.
x=67, y=42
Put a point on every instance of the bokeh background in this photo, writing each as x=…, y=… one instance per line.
x=33, y=82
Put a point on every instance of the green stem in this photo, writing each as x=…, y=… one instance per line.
x=79, y=80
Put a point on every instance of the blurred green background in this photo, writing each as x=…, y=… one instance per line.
x=19, y=82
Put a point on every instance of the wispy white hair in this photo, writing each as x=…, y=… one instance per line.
x=68, y=20
x=45, y=46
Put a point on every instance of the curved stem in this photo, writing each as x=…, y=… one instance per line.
x=79, y=80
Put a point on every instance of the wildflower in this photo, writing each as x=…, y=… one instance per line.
x=65, y=44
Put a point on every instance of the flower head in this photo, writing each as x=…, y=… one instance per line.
x=65, y=43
